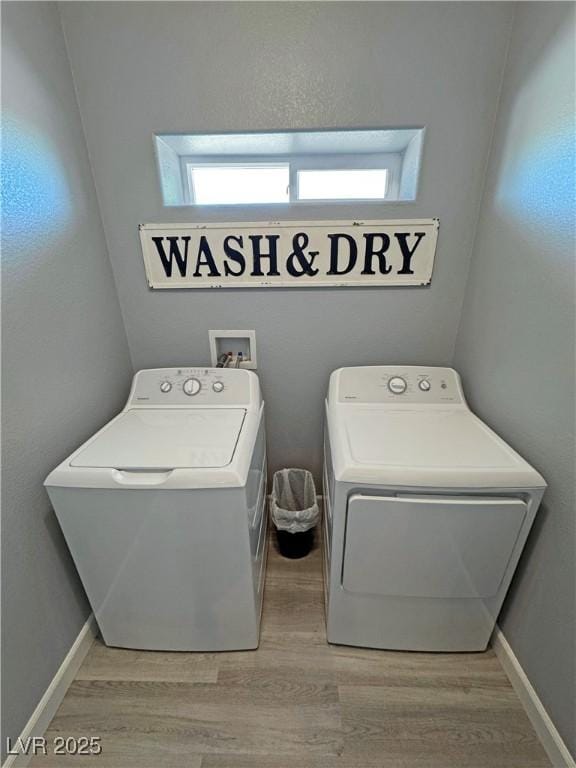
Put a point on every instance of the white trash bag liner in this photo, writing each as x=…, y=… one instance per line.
x=293, y=504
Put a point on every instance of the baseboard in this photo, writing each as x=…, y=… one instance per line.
x=49, y=703
x=549, y=737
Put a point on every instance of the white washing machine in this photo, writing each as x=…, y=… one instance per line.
x=164, y=512
x=426, y=512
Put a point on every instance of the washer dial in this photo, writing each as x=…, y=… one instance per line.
x=424, y=385
x=397, y=385
x=165, y=386
x=191, y=387
x=218, y=386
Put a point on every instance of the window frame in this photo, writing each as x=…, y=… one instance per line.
x=391, y=162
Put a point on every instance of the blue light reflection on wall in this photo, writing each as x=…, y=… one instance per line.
x=34, y=191
x=542, y=184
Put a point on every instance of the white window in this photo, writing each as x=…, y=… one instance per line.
x=293, y=168
x=349, y=184
x=239, y=184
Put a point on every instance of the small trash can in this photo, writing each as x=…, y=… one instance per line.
x=294, y=511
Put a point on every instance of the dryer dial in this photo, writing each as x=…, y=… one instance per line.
x=397, y=385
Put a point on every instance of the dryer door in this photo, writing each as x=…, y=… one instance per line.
x=429, y=546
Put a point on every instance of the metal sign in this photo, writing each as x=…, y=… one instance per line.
x=290, y=254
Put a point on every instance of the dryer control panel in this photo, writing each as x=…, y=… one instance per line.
x=190, y=387
x=396, y=384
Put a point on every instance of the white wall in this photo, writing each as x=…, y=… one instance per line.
x=142, y=68
x=516, y=342
x=65, y=366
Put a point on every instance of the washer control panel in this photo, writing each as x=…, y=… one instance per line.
x=190, y=387
x=396, y=384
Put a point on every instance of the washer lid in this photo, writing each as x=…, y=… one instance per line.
x=422, y=446
x=165, y=439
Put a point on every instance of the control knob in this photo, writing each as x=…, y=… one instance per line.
x=424, y=385
x=218, y=386
x=397, y=385
x=165, y=386
x=191, y=387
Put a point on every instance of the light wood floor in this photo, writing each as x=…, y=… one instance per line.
x=295, y=702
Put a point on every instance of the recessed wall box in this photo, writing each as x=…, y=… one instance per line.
x=222, y=342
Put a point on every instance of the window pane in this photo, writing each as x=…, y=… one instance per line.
x=365, y=184
x=236, y=184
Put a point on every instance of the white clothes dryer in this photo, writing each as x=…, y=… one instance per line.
x=164, y=512
x=426, y=512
